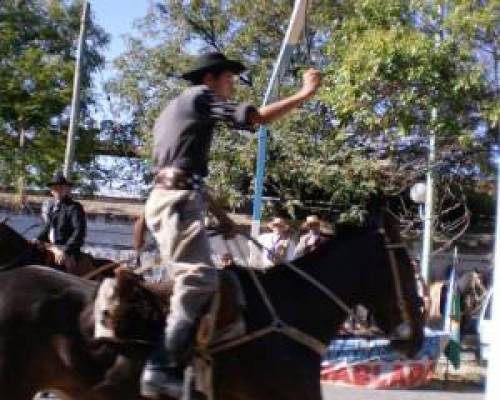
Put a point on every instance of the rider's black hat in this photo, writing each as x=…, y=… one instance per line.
x=59, y=179
x=211, y=62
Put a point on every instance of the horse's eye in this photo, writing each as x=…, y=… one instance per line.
x=105, y=316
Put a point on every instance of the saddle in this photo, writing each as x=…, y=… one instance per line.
x=224, y=313
x=82, y=265
x=221, y=322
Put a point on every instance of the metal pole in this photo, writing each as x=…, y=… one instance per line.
x=291, y=39
x=493, y=372
x=21, y=183
x=429, y=198
x=75, y=102
x=429, y=207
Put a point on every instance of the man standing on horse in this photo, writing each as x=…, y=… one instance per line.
x=65, y=225
x=177, y=204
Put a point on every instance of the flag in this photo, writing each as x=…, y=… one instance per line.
x=452, y=321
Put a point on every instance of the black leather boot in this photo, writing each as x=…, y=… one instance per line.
x=165, y=381
x=163, y=374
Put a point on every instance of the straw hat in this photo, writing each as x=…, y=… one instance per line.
x=311, y=220
x=277, y=221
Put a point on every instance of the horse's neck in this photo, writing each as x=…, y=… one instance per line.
x=300, y=303
x=16, y=249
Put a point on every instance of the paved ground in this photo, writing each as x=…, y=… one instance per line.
x=467, y=383
x=335, y=393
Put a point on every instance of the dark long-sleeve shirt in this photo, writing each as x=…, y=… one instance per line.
x=184, y=130
x=67, y=219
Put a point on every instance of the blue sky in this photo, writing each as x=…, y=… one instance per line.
x=117, y=18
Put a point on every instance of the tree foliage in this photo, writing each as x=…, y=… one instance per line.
x=385, y=72
x=37, y=58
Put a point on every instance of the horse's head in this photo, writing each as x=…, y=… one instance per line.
x=389, y=287
x=14, y=249
x=126, y=310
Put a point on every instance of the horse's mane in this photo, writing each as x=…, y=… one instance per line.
x=345, y=234
x=8, y=233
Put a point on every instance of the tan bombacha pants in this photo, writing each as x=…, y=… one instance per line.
x=176, y=219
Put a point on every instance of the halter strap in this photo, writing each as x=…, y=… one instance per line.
x=278, y=326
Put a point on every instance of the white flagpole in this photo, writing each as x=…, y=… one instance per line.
x=493, y=373
x=291, y=39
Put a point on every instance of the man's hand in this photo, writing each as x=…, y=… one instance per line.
x=226, y=226
x=311, y=82
x=59, y=255
x=274, y=111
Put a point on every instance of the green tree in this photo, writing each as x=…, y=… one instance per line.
x=37, y=52
x=368, y=130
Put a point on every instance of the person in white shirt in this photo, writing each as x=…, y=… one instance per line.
x=312, y=238
x=279, y=245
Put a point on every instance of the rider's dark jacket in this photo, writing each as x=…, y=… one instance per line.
x=68, y=221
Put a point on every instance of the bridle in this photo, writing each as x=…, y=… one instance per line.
x=277, y=325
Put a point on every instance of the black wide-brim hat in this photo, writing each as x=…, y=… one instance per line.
x=212, y=62
x=59, y=179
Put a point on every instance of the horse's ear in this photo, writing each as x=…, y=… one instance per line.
x=376, y=203
x=126, y=279
x=123, y=271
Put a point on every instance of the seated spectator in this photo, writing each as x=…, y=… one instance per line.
x=226, y=260
x=312, y=238
x=278, y=244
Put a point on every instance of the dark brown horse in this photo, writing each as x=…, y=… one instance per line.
x=16, y=251
x=46, y=336
x=46, y=324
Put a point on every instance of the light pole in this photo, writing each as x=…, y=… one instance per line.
x=492, y=382
x=75, y=102
x=420, y=195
